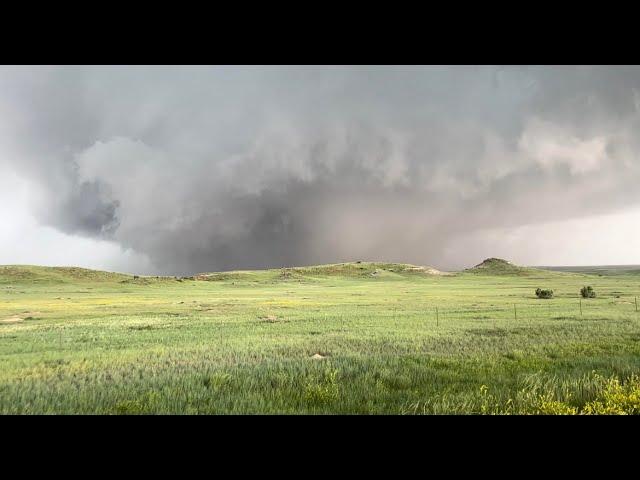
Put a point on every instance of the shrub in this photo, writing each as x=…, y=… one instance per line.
x=544, y=293
x=587, y=292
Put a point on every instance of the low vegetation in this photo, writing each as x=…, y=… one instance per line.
x=547, y=293
x=587, y=292
x=346, y=338
x=603, y=396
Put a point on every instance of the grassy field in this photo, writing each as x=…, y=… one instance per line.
x=361, y=338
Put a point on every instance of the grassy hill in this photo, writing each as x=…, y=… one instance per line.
x=32, y=274
x=37, y=274
x=498, y=266
x=348, y=270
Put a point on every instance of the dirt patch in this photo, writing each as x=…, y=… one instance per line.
x=14, y=319
x=427, y=270
x=433, y=271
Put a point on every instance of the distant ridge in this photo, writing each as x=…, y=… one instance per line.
x=29, y=274
x=41, y=274
x=594, y=269
x=347, y=269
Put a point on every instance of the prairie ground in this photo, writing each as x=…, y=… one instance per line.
x=364, y=338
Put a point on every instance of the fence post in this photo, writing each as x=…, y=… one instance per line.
x=636, y=304
x=515, y=313
x=580, y=307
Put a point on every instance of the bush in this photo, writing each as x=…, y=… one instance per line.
x=544, y=293
x=587, y=292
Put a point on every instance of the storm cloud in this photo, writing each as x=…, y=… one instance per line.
x=211, y=168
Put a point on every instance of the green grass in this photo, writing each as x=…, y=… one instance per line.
x=79, y=341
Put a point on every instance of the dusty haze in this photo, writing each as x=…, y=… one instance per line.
x=189, y=169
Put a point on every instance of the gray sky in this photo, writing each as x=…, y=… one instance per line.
x=187, y=169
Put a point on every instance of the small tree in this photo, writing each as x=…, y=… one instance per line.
x=587, y=292
x=544, y=293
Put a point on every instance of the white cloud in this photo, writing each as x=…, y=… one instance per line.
x=551, y=144
x=24, y=241
x=595, y=240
